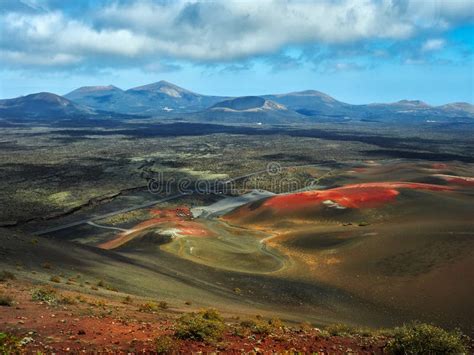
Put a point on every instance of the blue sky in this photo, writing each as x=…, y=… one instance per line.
x=357, y=51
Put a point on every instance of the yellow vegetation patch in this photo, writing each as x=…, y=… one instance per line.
x=60, y=197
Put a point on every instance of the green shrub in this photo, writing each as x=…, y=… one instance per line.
x=206, y=326
x=6, y=275
x=67, y=300
x=340, y=329
x=276, y=323
x=9, y=344
x=262, y=327
x=305, y=327
x=45, y=294
x=5, y=300
x=244, y=329
x=148, y=307
x=259, y=326
x=165, y=344
x=419, y=338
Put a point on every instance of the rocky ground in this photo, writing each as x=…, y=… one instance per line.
x=71, y=322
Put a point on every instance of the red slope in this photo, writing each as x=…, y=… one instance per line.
x=367, y=195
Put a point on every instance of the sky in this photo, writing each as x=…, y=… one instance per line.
x=358, y=51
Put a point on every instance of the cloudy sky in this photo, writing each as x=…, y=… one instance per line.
x=358, y=51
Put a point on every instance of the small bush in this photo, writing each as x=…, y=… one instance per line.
x=165, y=344
x=148, y=307
x=324, y=334
x=340, y=330
x=98, y=303
x=259, y=326
x=305, y=327
x=276, y=323
x=67, y=300
x=245, y=328
x=56, y=279
x=6, y=275
x=419, y=338
x=262, y=327
x=81, y=299
x=6, y=300
x=9, y=344
x=45, y=294
x=366, y=332
x=205, y=326
x=100, y=284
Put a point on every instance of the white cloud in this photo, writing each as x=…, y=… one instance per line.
x=214, y=31
x=55, y=59
x=441, y=12
x=433, y=44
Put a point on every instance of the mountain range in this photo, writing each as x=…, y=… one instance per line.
x=163, y=99
x=151, y=99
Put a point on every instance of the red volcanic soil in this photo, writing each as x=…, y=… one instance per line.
x=99, y=325
x=457, y=180
x=366, y=195
x=173, y=218
x=179, y=218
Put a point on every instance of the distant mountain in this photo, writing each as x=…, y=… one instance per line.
x=152, y=99
x=311, y=103
x=106, y=98
x=166, y=99
x=415, y=104
x=94, y=91
x=462, y=107
x=248, y=104
x=164, y=88
x=42, y=105
x=409, y=110
x=321, y=106
x=250, y=109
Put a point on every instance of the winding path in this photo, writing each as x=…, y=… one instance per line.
x=106, y=215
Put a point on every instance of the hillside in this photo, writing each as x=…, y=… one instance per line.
x=42, y=105
x=312, y=103
x=153, y=99
x=250, y=109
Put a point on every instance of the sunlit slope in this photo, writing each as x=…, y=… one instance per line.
x=397, y=234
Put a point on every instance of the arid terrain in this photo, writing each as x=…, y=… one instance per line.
x=320, y=226
x=237, y=177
